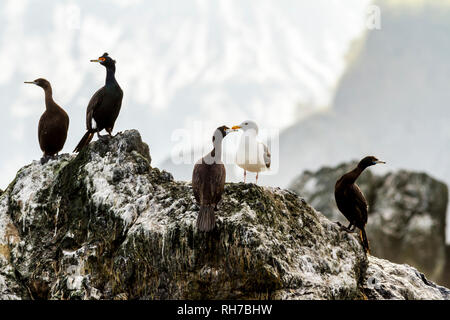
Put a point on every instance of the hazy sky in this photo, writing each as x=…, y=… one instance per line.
x=179, y=63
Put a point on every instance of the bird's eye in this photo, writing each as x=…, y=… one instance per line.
x=246, y=123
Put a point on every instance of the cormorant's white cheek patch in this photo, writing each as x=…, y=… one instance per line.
x=93, y=124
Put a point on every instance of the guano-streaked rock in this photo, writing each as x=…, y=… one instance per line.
x=106, y=225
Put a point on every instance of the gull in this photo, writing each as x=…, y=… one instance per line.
x=252, y=155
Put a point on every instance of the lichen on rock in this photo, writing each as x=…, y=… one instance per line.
x=105, y=224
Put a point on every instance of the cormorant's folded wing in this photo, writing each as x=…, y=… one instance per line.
x=360, y=202
x=95, y=101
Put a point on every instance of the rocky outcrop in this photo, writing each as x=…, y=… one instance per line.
x=106, y=225
x=386, y=280
x=407, y=214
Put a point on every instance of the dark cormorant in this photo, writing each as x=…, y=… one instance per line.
x=53, y=125
x=104, y=106
x=351, y=201
x=208, y=181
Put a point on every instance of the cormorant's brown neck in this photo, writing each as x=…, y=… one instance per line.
x=49, y=103
x=215, y=155
x=217, y=151
x=353, y=175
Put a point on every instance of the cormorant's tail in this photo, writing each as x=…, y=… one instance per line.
x=364, y=240
x=84, y=141
x=206, y=219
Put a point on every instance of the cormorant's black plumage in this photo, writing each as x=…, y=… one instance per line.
x=104, y=106
x=208, y=182
x=351, y=201
x=53, y=124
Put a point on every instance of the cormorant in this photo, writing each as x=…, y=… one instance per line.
x=53, y=124
x=351, y=201
x=104, y=106
x=252, y=155
x=208, y=181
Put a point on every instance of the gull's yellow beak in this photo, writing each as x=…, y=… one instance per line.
x=235, y=127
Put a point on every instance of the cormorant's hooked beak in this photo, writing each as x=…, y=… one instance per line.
x=101, y=59
x=227, y=131
x=30, y=82
x=379, y=161
x=236, y=128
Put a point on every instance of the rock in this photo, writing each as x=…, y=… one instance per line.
x=385, y=280
x=106, y=225
x=407, y=213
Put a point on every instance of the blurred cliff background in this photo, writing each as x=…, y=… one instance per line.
x=313, y=71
